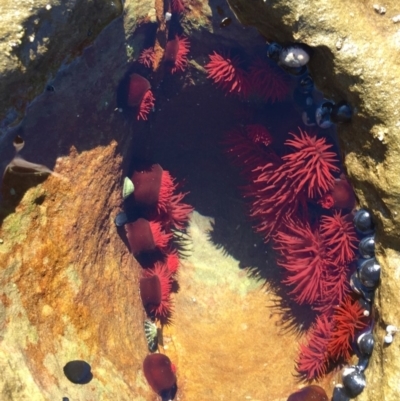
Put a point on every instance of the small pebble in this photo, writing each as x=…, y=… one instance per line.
x=379, y=9
x=396, y=19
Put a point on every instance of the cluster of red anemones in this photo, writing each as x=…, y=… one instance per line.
x=175, y=55
x=301, y=201
x=158, y=203
x=262, y=80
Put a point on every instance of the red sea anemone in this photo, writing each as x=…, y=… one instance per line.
x=146, y=236
x=147, y=57
x=257, y=133
x=341, y=196
x=347, y=319
x=309, y=393
x=154, y=188
x=172, y=261
x=226, y=73
x=177, y=6
x=310, y=165
x=177, y=213
x=155, y=290
x=268, y=81
x=313, y=360
x=339, y=236
x=159, y=372
x=176, y=52
x=303, y=257
x=140, y=96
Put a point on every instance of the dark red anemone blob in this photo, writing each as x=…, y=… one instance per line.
x=341, y=196
x=153, y=187
x=159, y=372
x=176, y=52
x=138, y=86
x=155, y=290
x=309, y=393
x=146, y=236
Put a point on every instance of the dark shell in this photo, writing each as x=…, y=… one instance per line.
x=78, y=372
x=367, y=247
x=274, y=50
x=159, y=373
x=341, y=113
x=340, y=394
x=140, y=237
x=323, y=115
x=306, y=84
x=353, y=381
x=308, y=393
x=365, y=305
x=359, y=288
x=366, y=343
x=369, y=273
x=120, y=219
x=362, y=363
x=363, y=222
x=296, y=71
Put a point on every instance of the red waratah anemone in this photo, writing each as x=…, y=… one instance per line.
x=177, y=213
x=313, y=359
x=146, y=236
x=339, y=236
x=310, y=165
x=268, y=81
x=335, y=286
x=341, y=196
x=303, y=256
x=147, y=57
x=172, y=261
x=309, y=393
x=140, y=96
x=159, y=372
x=176, y=52
x=155, y=290
x=226, y=73
x=177, y=6
x=154, y=188
x=348, y=318
x=257, y=133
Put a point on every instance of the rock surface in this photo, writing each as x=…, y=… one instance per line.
x=355, y=58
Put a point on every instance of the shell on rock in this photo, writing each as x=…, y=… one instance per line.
x=366, y=343
x=353, y=381
x=363, y=222
x=367, y=247
x=369, y=273
x=151, y=332
x=127, y=188
x=340, y=394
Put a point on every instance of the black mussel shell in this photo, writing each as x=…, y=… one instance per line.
x=359, y=288
x=323, y=115
x=362, y=363
x=120, y=219
x=363, y=222
x=365, y=305
x=369, y=273
x=306, y=84
x=274, y=50
x=366, y=343
x=353, y=381
x=297, y=71
x=340, y=394
x=367, y=247
x=341, y=113
x=78, y=372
